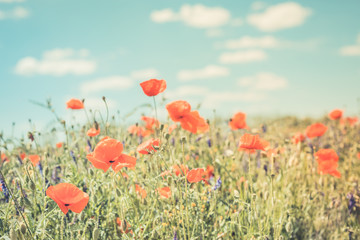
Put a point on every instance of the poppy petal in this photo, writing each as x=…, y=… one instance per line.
x=79, y=206
x=97, y=163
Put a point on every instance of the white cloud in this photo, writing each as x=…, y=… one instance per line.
x=352, y=50
x=11, y=1
x=16, y=13
x=165, y=15
x=186, y=91
x=280, y=16
x=214, y=32
x=198, y=16
x=57, y=62
x=250, y=42
x=210, y=71
x=145, y=74
x=242, y=56
x=264, y=81
x=258, y=5
x=215, y=99
x=107, y=83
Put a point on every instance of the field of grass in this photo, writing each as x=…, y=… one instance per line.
x=274, y=193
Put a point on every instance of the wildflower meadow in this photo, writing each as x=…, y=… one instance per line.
x=186, y=177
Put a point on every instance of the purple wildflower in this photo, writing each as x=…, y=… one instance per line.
x=4, y=189
x=40, y=168
x=73, y=156
x=217, y=184
x=209, y=142
x=89, y=145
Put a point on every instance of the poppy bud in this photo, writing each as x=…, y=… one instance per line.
x=123, y=226
x=167, y=136
x=23, y=228
x=96, y=233
x=104, y=99
x=63, y=122
x=118, y=193
x=82, y=216
x=31, y=136
x=32, y=185
x=46, y=171
x=91, y=172
x=183, y=139
x=161, y=127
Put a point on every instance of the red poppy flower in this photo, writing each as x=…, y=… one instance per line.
x=195, y=175
x=327, y=162
x=238, y=121
x=147, y=147
x=164, y=192
x=22, y=156
x=180, y=170
x=139, y=131
x=358, y=155
x=150, y=122
x=75, y=104
x=349, y=120
x=180, y=111
x=335, y=114
x=124, y=161
x=326, y=155
x=68, y=196
x=34, y=159
x=92, y=132
x=252, y=142
x=153, y=87
x=329, y=167
x=140, y=191
x=59, y=144
x=209, y=172
x=125, y=227
x=108, y=152
x=4, y=157
x=298, y=137
x=316, y=130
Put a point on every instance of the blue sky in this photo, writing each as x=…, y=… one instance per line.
x=263, y=58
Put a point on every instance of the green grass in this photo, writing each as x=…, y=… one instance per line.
x=288, y=201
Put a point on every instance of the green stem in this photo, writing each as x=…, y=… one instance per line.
x=16, y=203
x=156, y=116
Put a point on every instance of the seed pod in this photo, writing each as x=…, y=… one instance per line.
x=23, y=228
x=32, y=185
x=118, y=193
x=46, y=171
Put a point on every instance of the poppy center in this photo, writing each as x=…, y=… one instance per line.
x=111, y=161
x=66, y=204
